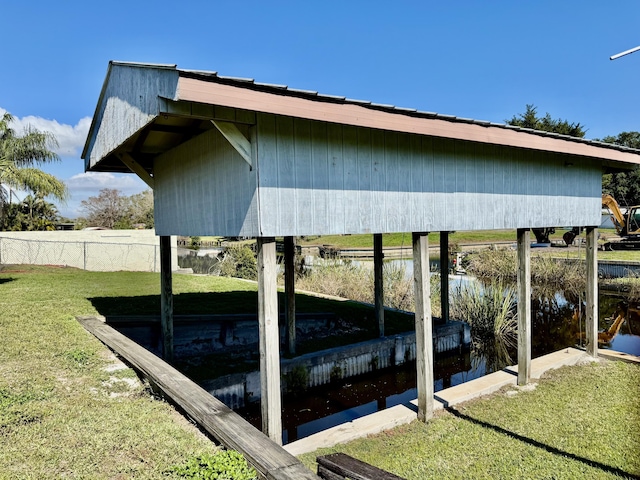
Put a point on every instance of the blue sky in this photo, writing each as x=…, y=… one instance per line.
x=478, y=59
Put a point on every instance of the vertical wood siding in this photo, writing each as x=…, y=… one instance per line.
x=130, y=101
x=322, y=178
x=204, y=187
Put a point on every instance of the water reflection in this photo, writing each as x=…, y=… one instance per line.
x=556, y=323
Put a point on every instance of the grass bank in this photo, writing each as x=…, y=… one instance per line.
x=404, y=239
x=63, y=413
x=469, y=238
x=579, y=422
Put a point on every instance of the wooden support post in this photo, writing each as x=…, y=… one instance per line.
x=269, y=339
x=592, y=293
x=378, y=287
x=290, y=291
x=166, y=298
x=524, y=306
x=444, y=276
x=424, y=327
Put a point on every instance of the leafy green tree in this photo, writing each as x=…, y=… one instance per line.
x=19, y=157
x=624, y=187
x=111, y=209
x=33, y=213
x=530, y=119
x=140, y=209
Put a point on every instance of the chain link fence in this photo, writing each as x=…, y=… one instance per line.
x=101, y=256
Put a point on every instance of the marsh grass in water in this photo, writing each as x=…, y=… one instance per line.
x=629, y=285
x=490, y=310
x=346, y=279
x=548, y=275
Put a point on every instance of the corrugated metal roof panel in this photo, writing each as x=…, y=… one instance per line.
x=236, y=79
x=299, y=90
x=271, y=85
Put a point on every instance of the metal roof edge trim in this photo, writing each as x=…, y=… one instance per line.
x=163, y=66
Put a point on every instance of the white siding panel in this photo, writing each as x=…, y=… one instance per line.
x=286, y=168
x=319, y=213
x=129, y=102
x=378, y=215
x=351, y=179
x=365, y=191
x=369, y=181
x=405, y=167
x=267, y=171
x=204, y=187
x=303, y=175
x=336, y=179
x=392, y=182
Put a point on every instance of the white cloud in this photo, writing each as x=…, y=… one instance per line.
x=93, y=182
x=84, y=185
x=70, y=138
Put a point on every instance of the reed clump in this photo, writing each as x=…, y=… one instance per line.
x=548, y=275
x=491, y=311
x=346, y=279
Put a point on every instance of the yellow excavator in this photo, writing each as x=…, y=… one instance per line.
x=627, y=225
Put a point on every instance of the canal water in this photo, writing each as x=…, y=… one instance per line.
x=554, y=326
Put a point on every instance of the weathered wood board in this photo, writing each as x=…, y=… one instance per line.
x=340, y=466
x=229, y=428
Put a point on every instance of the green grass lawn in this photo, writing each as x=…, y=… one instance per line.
x=404, y=239
x=63, y=415
x=580, y=422
x=467, y=238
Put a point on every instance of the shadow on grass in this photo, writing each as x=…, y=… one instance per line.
x=356, y=318
x=5, y=280
x=543, y=446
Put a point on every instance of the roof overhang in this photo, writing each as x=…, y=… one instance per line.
x=187, y=114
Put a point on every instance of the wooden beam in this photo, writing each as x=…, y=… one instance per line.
x=444, y=276
x=138, y=169
x=524, y=306
x=378, y=283
x=236, y=139
x=269, y=339
x=166, y=298
x=424, y=327
x=290, y=291
x=222, y=423
x=340, y=466
x=592, y=292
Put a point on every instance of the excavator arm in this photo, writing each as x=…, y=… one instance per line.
x=616, y=214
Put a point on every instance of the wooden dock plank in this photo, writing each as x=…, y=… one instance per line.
x=229, y=428
x=340, y=465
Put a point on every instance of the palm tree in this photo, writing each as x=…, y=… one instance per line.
x=19, y=156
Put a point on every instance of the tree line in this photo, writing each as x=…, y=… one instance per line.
x=623, y=186
x=21, y=155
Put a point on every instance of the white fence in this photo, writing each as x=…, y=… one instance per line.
x=97, y=250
